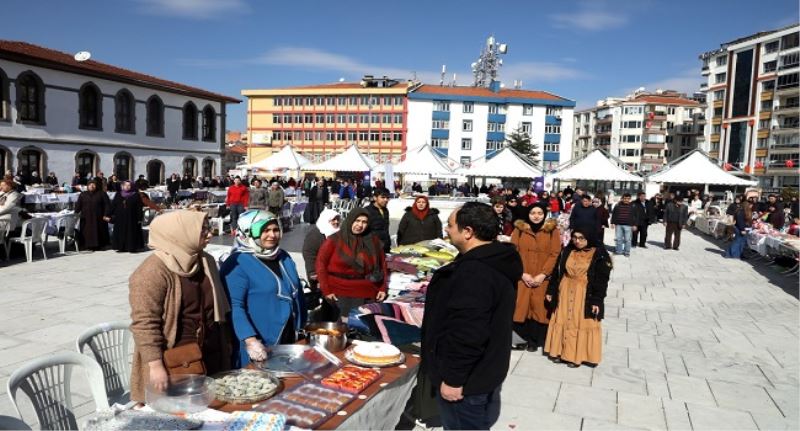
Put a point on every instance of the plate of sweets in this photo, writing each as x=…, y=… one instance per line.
x=295, y=414
x=318, y=397
x=374, y=354
x=351, y=379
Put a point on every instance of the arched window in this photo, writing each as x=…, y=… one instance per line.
x=5, y=108
x=190, y=167
x=86, y=163
x=5, y=159
x=30, y=98
x=155, y=117
x=208, y=167
x=123, y=166
x=155, y=172
x=30, y=160
x=125, y=112
x=209, y=123
x=91, y=107
x=190, y=121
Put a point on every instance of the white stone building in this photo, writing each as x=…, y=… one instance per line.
x=61, y=115
x=753, y=92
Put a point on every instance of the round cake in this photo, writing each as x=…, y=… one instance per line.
x=376, y=353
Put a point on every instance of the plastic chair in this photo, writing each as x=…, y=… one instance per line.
x=5, y=231
x=112, y=347
x=47, y=383
x=37, y=226
x=12, y=423
x=68, y=222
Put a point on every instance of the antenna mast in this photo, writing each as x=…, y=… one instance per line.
x=486, y=69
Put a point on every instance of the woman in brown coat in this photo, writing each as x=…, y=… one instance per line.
x=539, y=242
x=173, y=294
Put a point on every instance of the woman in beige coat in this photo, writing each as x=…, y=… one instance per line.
x=173, y=294
x=538, y=242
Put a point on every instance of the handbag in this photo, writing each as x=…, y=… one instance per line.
x=188, y=358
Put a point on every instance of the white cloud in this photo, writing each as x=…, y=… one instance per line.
x=531, y=71
x=687, y=82
x=193, y=9
x=590, y=16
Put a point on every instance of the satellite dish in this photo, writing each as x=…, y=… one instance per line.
x=341, y=79
x=83, y=56
x=503, y=48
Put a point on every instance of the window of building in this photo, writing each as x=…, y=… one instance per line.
x=123, y=166
x=155, y=172
x=716, y=130
x=155, y=117
x=469, y=107
x=770, y=66
x=786, y=81
x=398, y=118
x=551, y=147
x=90, y=110
x=190, y=167
x=86, y=163
x=496, y=127
x=297, y=118
x=440, y=124
x=552, y=128
x=527, y=109
x=465, y=161
x=494, y=108
x=340, y=136
x=330, y=118
x=768, y=85
x=670, y=139
x=190, y=121
x=466, y=125
x=720, y=78
x=30, y=160
x=466, y=144
x=493, y=145
x=386, y=136
x=527, y=128
x=30, y=98
x=397, y=136
x=363, y=136
x=671, y=110
x=374, y=136
x=209, y=124
x=789, y=61
x=439, y=143
x=771, y=47
x=124, y=112
x=441, y=105
x=5, y=108
x=375, y=119
x=341, y=118
x=308, y=118
x=319, y=118
x=633, y=110
x=791, y=40
x=718, y=112
x=208, y=168
x=631, y=124
x=631, y=138
x=722, y=60
x=553, y=110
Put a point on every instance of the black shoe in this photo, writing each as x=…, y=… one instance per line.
x=676, y=249
x=633, y=245
x=643, y=246
x=667, y=248
x=532, y=348
x=519, y=347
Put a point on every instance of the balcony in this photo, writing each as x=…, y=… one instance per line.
x=713, y=154
x=705, y=71
x=765, y=115
x=761, y=152
x=715, y=137
x=763, y=133
x=787, y=109
x=700, y=138
x=603, y=132
x=653, y=159
x=719, y=103
x=767, y=95
x=716, y=121
x=604, y=120
x=655, y=115
x=759, y=171
x=788, y=89
x=653, y=146
x=655, y=131
x=786, y=128
x=704, y=86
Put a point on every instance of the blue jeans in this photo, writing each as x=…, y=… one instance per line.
x=736, y=248
x=236, y=210
x=554, y=214
x=623, y=238
x=473, y=412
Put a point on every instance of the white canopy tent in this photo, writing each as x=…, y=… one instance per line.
x=595, y=166
x=286, y=158
x=351, y=160
x=421, y=161
x=697, y=168
x=508, y=163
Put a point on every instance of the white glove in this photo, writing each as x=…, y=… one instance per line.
x=256, y=351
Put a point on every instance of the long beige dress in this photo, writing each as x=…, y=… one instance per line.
x=571, y=336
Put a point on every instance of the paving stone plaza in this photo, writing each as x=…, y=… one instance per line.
x=691, y=340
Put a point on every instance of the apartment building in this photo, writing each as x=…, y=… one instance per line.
x=753, y=92
x=645, y=130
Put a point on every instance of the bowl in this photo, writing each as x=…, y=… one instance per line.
x=330, y=335
x=245, y=386
x=185, y=394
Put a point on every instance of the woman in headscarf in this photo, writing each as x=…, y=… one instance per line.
x=126, y=214
x=504, y=222
x=327, y=224
x=419, y=223
x=351, y=266
x=264, y=288
x=538, y=242
x=576, y=293
x=177, y=299
x=94, y=208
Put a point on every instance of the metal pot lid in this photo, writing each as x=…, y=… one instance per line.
x=290, y=360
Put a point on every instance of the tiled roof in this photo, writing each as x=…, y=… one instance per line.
x=237, y=149
x=27, y=53
x=485, y=92
x=666, y=100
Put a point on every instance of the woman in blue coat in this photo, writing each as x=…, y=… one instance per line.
x=263, y=287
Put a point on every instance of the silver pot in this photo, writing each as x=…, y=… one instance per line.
x=318, y=335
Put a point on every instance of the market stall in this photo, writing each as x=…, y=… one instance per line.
x=596, y=166
x=507, y=163
x=351, y=160
x=697, y=167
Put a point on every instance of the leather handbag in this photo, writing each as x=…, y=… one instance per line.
x=188, y=358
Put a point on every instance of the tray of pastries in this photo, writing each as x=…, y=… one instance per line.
x=295, y=414
x=351, y=379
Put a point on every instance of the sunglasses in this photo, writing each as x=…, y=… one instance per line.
x=578, y=238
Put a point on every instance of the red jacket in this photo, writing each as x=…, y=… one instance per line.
x=554, y=206
x=338, y=277
x=238, y=195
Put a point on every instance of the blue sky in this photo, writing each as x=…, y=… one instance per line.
x=582, y=50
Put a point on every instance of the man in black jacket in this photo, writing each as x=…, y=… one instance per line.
x=466, y=331
x=586, y=217
x=645, y=216
x=676, y=215
x=379, y=218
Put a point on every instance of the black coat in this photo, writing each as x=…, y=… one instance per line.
x=675, y=214
x=379, y=225
x=311, y=245
x=173, y=185
x=466, y=329
x=413, y=230
x=598, y=275
x=127, y=214
x=93, y=206
x=586, y=218
x=645, y=212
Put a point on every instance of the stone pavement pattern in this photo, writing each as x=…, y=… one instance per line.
x=691, y=340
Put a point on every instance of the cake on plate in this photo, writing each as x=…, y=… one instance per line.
x=376, y=353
